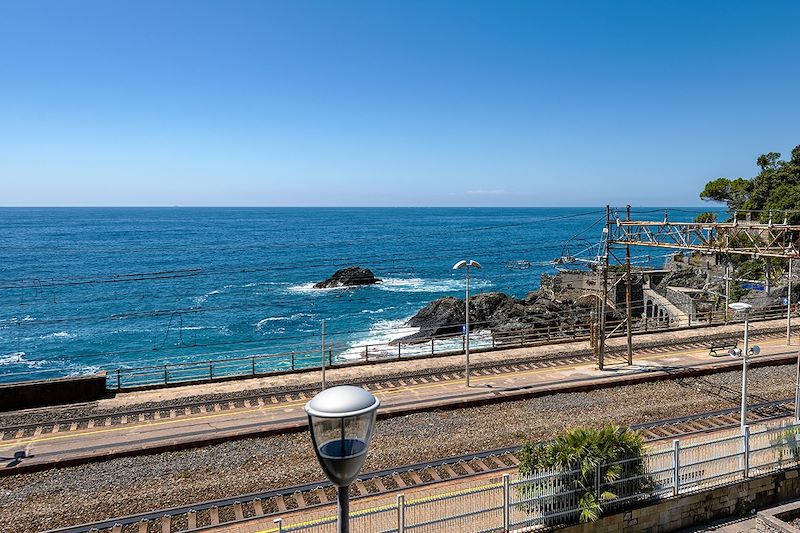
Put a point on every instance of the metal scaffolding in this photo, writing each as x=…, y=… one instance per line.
x=739, y=236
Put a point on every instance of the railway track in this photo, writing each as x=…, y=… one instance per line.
x=227, y=511
x=259, y=399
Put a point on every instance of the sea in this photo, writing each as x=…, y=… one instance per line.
x=89, y=289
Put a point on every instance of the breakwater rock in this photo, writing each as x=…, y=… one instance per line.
x=348, y=277
x=501, y=313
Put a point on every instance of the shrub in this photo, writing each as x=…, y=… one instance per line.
x=588, y=461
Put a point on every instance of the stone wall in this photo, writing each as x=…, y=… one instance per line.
x=737, y=499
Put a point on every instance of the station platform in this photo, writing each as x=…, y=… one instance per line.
x=494, y=380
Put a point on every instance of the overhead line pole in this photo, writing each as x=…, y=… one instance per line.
x=604, y=294
x=628, y=309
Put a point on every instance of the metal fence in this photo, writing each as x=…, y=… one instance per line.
x=550, y=498
x=266, y=364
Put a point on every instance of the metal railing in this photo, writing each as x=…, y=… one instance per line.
x=549, y=498
x=442, y=345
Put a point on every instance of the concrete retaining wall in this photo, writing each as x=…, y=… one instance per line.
x=28, y=394
x=692, y=509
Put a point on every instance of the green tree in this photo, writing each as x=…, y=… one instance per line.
x=596, y=458
x=706, y=217
x=775, y=188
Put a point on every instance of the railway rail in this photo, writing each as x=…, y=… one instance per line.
x=227, y=511
x=262, y=398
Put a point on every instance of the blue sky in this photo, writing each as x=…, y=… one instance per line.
x=390, y=103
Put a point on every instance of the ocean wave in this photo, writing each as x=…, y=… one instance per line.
x=264, y=321
x=200, y=300
x=18, y=358
x=428, y=285
x=383, y=332
x=308, y=288
x=372, y=312
x=59, y=335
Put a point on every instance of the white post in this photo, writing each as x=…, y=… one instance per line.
x=797, y=392
x=676, y=463
x=466, y=326
x=727, y=290
x=746, y=452
x=743, y=417
x=323, y=354
x=506, y=502
x=401, y=513
x=789, y=307
x=279, y=523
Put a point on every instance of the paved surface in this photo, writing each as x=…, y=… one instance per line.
x=185, y=431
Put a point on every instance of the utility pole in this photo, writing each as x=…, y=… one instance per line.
x=323, y=354
x=789, y=307
x=604, y=295
x=628, y=310
x=728, y=288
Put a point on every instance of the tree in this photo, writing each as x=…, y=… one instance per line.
x=589, y=461
x=775, y=188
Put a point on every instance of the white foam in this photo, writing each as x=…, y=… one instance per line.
x=371, y=312
x=18, y=358
x=200, y=300
x=59, y=335
x=383, y=332
x=427, y=285
x=264, y=321
x=308, y=288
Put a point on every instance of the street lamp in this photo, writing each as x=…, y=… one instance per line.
x=341, y=420
x=466, y=265
x=744, y=353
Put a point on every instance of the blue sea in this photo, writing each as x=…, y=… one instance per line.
x=85, y=289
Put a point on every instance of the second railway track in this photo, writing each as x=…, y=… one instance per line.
x=198, y=516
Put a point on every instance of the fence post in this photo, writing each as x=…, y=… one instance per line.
x=366, y=352
x=279, y=524
x=119, y=386
x=506, y=502
x=165, y=374
x=399, y=355
x=676, y=461
x=746, y=452
x=330, y=357
x=293, y=360
x=401, y=513
x=597, y=481
x=211, y=370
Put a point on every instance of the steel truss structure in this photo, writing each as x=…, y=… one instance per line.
x=737, y=237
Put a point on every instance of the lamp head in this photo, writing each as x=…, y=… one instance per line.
x=470, y=262
x=341, y=420
x=740, y=307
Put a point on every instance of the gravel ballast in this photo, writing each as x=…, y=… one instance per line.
x=70, y=496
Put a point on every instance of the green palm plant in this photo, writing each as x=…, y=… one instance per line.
x=588, y=462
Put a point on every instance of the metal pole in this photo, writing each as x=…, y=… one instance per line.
x=343, y=505
x=727, y=290
x=323, y=354
x=746, y=451
x=466, y=327
x=676, y=462
x=744, y=371
x=401, y=513
x=628, y=309
x=789, y=307
x=604, y=296
x=506, y=502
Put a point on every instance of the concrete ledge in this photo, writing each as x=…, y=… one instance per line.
x=27, y=394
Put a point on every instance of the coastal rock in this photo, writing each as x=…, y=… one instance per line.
x=499, y=313
x=348, y=277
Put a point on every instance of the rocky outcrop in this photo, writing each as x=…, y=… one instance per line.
x=500, y=313
x=348, y=277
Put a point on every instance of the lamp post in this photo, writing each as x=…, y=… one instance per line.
x=341, y=420
x=744, y=353
x=466, y=264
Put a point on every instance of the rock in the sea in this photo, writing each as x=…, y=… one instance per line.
x=348, y=277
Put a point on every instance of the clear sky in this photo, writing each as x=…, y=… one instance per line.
x=390, y=103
